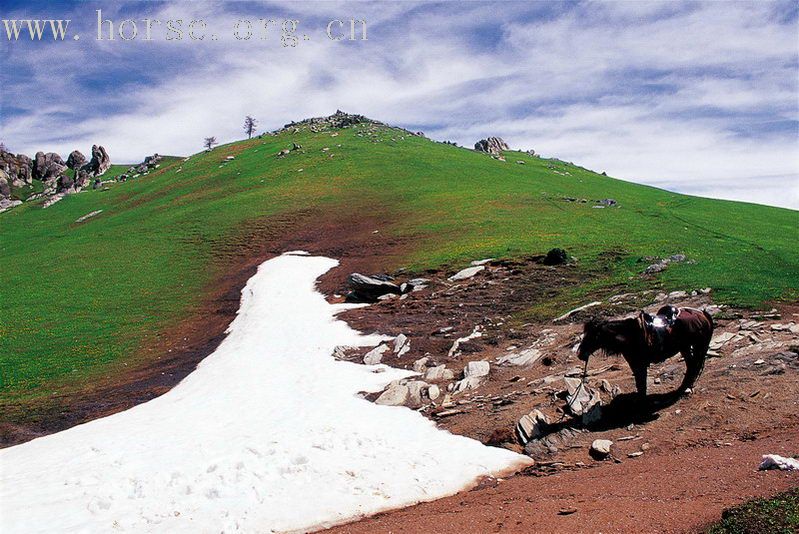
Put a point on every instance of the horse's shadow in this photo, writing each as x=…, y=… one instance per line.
x=625, y=409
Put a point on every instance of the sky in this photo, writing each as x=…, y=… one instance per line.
x=700, y=98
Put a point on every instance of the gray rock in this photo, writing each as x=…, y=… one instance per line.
x=375, y=356
x=467, y=273
x=531, y=426
x=76, y=160
x=600, y=448
x=440, y=372
x=433, y=392
x=580, y=398
x=470, y=382
x=476, y=369
x=421, y=364
x=48, y=167
x=492, y=145
x=416, y=391
x=401, y=345
x=525, y=357
x=369, y=288
x=19, y=168
x=394, y=395
x=99, y=163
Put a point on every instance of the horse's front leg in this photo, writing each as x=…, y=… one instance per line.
x=639, y=372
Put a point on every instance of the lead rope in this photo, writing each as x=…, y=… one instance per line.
x=574, y=398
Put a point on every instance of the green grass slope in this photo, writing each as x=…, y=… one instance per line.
x=77, y=298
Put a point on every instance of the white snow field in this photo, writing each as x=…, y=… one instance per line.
x=266, y=435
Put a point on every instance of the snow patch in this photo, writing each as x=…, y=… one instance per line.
x=267, y=434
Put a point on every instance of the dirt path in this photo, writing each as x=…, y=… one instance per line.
x=672, y=492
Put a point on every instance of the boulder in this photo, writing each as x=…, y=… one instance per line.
x=19, y=168
x=421, y=364
x=440, y=372
x=416, y=392
x=374, y=356
x=492, y=145
x=580, y=399
x=369, y=288
x=394, y=395
x=48, y=167
x=600, y=448
x=531, y=426
x=467, y=273
x=76, y=160
x=433, y=392
x=99, y=163
x=470, y=382
x=476, y=369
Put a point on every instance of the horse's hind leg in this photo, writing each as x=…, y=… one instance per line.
x=639, y=372
x=694, y=364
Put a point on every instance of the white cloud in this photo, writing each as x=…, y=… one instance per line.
x=685, y=96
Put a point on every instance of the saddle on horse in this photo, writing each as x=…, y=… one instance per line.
x=658, y=328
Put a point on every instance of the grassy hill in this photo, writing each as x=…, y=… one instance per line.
x=78, y=299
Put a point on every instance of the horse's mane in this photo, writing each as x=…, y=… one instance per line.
x=608, y=331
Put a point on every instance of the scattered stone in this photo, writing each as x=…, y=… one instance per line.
x=600, y=448
x=477, y=263
x=720, y=340
x=476, y=369
x=394, y=395
x=470, y=382
x=416, y=390
x=375, y=356
x=440, y=372
x=458, y=342
x=401, y=345
x=531, y=426
x=88, y=216
x=433, y=392
x=678, y=295
x=576, y=310
x=525, y=357
x=580, y=398
x=369, y=288
x=467, y=273
x=774, y=461
x=421, y=364
x=635, y=454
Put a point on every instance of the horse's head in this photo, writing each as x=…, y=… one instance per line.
x=591, y=339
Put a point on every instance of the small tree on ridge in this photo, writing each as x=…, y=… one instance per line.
x=209, y=142
x=249, y=126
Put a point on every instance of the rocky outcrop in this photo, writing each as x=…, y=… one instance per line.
x=99, y=163
x=48, y=167
x=76, y=160
x=339, y=119
x=492, y=145
x=5, y=188
x=19, y=168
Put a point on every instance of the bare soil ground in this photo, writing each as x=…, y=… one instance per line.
x=672, y=469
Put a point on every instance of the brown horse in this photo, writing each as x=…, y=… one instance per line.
x=643, y=340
